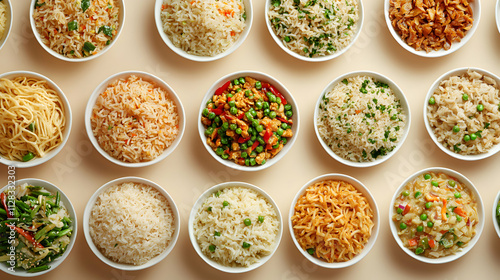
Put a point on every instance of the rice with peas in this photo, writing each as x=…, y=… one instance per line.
x=134, y=120
x=436, y=215
x=203, y=27
x=314, y=28
x=236, y=227
x=361, y=119
x=76, y=29
x=463, y=113
x=3, y=19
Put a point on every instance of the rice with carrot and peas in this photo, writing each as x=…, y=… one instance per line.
x=203, y=27
x=361, y=119
x=436, y=215
x=134, y=120
x=3, y=18
x=76, y=29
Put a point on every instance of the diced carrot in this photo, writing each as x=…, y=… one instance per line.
x=407, y=209
x=432, y=243
x=430, y=197
x=192, y=2
x=443, y=210
x=133, y=134
x=233, y=33
x=412, y=242
x=358, y=111
x=459, y=211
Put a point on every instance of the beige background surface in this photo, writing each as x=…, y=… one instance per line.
x=79, y=170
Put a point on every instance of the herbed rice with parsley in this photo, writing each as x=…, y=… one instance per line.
x=361, y=119
x=314, y=28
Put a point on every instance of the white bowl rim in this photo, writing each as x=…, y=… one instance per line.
x=457, y=71
x=202, y=199
x=360, y=187
x=151, y=262
x=494, y=214
x=454, y=47
x=64, y=58
x=286, y=93
x=320, y=58
x=479, y=227
x=68, y=115
x=10, y=21
x=74, y=225
x=180, y=52
x=398, y=92
x=157, y=82
x=497, y=15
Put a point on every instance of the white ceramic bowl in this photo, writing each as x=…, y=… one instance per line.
x=67, y=113
x=494, y=214
x=480, y=211
x=397, y=92
x=497, y=14
x=74, y=226
x=146, y=77
x=264, y=78
x=8, y=27
x=435, y=85
x=476, y=9
x=203, y=197
x=320, y=58
x=376, y=220
x=121, y=21
x=236, y=45
x=153, y=261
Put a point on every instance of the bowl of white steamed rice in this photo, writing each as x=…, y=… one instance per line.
x=203, y=30
x=131, y=223
x=461, y=113
x=314, y=30
x=362, y=118
x=235, y=227
x=5, y=21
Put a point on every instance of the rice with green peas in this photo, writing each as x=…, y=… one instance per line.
x=314, y=28
x=3, y=18
x=361, y=119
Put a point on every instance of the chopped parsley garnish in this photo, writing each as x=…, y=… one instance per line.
x=345, y=81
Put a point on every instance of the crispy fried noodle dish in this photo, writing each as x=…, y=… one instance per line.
x=431, y=24
x=332, y=221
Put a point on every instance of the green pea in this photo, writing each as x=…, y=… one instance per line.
x=423, y=217
x=465, y=97
x=29, y=156
x=229, y=95
x=233, y=110
x=452, y=183
x=399, y=210
x=209, y=131
x=288, y=114
x=236, y=82
x=238, y=131
x=225, y=204
x=261, y=140
x=456, y=129
x=266, y=105
x=460, y=243
x=244, y=154
x=224, y=140
x=276, y=146
x=459, y=219
x=288, y=107
x=430, y=224
x=225, y=156
x=427, y=176
x=205, y=112
x=428, y=205
x=417, y=194
x=247, y=93
x=258, y=85
x=280, y=131
x=212, y=248
x=432, y=101
x=216, y=233
x=261, y=219
x=419, y=250
x=466, y=138
x=284, y=126
x=263, y=162
x=243, y=146
x=394, y=117
x=250, y=143
x=473, y=136
x=406, y=193
x=266, y=112
x=458, y=195
x=272, y=98
x=259, y=128
x=310, y=251
x=247, y=162
x=480, y=107
x=435, y=183
x=259, y=149
x=245, y=245
x=232, y=103
x=211, y=115
x=247, y=222
x=242, y=80
x=209, y=209
x=225, y=125
x=252, y=161
x=258, y=105
x=272, y=114
x=420, y=228
x=233, y=126
x=402, y=226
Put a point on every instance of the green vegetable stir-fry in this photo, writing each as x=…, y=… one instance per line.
x=34, y=225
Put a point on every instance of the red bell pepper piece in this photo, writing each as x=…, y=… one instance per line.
x=223, y=88
x=3, y=197
x=255, y=144
x=218, y=111
x=26, y=234
x=240, y=116
x=432, y=243
x=412, y=242
x=267, y=135
x=407, y=209
x=282, y=120
x=243, y=140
